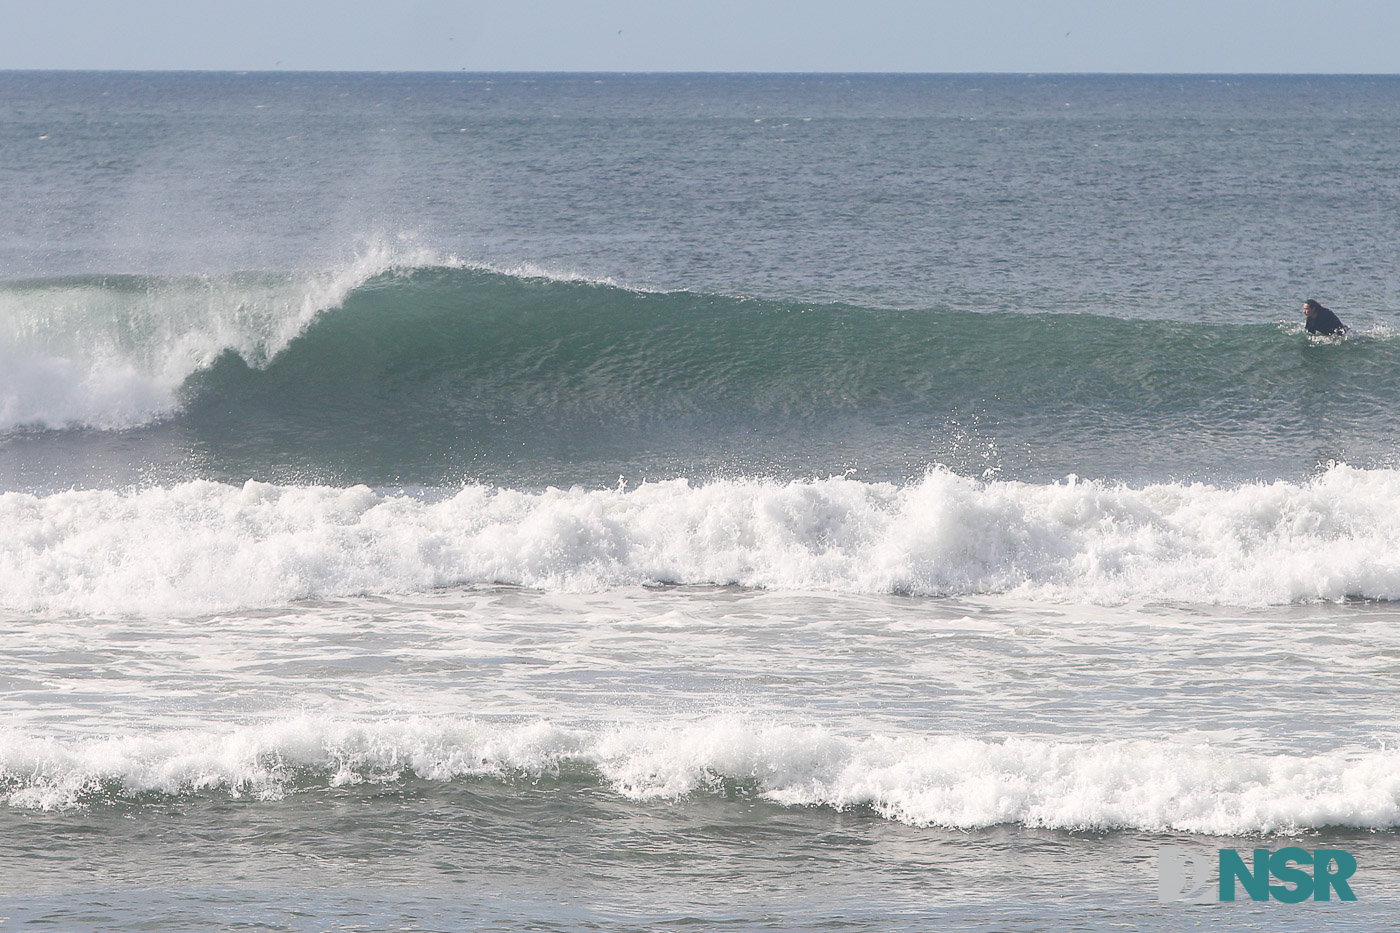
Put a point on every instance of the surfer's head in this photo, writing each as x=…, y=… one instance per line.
x=1311, y=307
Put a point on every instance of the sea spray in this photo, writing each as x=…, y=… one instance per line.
x=112, y=351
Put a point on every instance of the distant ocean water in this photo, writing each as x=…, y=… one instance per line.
x=469, y=502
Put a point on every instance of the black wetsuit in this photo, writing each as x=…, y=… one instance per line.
x=1324, y=321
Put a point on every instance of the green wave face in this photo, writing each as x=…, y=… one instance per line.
x=446, y=374
x=436, y=375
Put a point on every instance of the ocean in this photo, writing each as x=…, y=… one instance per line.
x=467, y=502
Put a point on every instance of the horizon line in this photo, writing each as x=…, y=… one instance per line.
x=628, y=73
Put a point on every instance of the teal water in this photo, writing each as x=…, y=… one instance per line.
x=435, y=376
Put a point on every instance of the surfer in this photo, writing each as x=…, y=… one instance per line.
x=1320, y=320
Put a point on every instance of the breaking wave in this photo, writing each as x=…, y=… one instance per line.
x=206, y=547
x=950, y=781
x=389, y=336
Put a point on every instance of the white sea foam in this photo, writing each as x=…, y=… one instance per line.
x=113, y=353
x=951, y=781
x=205, y=547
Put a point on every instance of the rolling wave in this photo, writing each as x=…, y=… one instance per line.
x=451, y=341
x=395, y=371
x=465, y=346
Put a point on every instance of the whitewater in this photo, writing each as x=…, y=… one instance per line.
x=205, y=547
x=923, y=781
x=867, y=503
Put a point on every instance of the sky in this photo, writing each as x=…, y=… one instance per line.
x=1138, y=36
